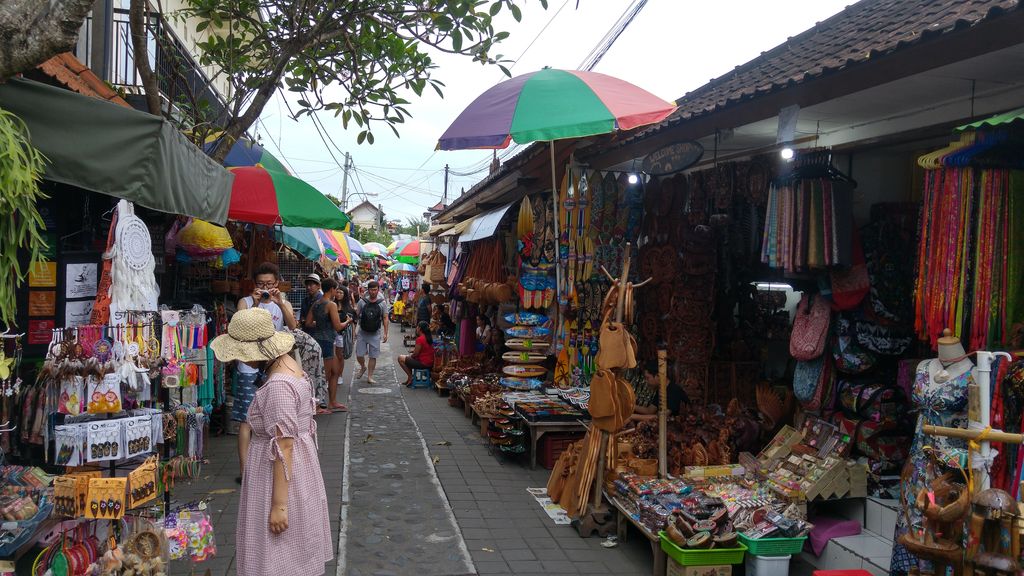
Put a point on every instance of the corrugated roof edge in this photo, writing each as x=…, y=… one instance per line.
x=684, y=114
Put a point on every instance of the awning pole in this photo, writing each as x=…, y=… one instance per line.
x=555, y=342
x=558, y=235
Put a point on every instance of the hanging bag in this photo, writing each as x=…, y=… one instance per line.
x=849, y=356
x=811, y=379
x=435, y=267
x=617, y=347
x=810, y=328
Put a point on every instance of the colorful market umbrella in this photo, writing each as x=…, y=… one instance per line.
x=245, y=152
x=335, y=245
x=408, y=253
x=393, y=246
x=375, y=248
x=355, y=245
x=314, y=243
x=551, y=105
x=401, y=267
x=262, y=196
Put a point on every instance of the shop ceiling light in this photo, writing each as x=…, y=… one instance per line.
x=772, y=286
x=786, y=153
x=633, y=178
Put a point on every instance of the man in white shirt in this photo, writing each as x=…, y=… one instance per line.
x=266, y=296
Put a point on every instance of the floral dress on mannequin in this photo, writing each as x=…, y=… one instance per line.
x=940, y=396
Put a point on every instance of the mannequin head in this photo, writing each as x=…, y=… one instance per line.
x=950, y=348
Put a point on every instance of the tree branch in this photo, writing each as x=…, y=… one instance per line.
x=33, y=31
x=137, y=22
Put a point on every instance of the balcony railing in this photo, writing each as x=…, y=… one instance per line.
x=178, y=73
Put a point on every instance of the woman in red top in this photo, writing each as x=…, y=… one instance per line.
x=422, y=356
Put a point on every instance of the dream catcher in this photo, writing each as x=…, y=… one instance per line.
x=10, y=362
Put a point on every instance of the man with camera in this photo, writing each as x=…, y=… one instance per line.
x=267, y=296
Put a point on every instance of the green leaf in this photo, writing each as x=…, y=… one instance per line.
x=369, y=137
x=495, y=8
x=202, y=26
x=361, y=137
x=457, y=40
x=517, y=13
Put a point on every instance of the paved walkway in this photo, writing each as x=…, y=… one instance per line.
x=417, y=491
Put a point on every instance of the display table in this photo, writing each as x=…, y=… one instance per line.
x=541, y=427
x=621, y=517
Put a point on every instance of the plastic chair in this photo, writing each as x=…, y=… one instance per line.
x=421, y=378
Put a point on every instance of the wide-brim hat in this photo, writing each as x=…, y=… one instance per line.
x=251, y=337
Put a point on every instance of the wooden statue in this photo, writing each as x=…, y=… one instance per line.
x=994, y=543
x=944, y=505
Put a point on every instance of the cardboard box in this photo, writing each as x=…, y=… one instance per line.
x=677, y=569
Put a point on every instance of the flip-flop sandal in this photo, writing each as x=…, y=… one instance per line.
x=323, y=411
x=339, y=408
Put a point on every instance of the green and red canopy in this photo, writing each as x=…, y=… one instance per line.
x=262, y=196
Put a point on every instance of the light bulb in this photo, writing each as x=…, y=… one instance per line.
x=633, y=179
x=786, y=153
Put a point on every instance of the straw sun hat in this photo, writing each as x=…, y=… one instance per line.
x=251, y=338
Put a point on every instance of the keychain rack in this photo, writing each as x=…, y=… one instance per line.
x=153, y=321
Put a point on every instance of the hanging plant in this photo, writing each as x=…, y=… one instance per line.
x=21, y=169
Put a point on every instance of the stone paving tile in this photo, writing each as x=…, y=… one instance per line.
x=485, y=491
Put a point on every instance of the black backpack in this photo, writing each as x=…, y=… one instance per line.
x=372, y=317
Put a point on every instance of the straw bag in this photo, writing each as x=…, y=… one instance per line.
x=617, y=347
x=435, y=267
x=810, y=328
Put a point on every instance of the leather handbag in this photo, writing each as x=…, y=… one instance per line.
x=617, y=347
x=602, y=394
x=810, y=328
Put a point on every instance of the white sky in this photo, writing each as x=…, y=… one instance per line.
x=672, y=47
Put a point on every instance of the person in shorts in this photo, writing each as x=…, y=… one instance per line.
x=371, y=329
x=345, y=341
x=324, y=324
x=422, y=356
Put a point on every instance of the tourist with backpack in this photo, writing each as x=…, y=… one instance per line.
x=372, y=329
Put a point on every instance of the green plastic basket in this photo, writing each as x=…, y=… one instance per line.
x=694, y=557
x=773, y=546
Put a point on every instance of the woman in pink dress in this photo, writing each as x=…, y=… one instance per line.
x=283, y=526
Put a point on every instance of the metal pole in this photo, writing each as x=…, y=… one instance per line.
x=344, y=183
x=555, y=210
x=444, y=199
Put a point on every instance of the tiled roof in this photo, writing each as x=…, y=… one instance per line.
x=864, y=31
x=69, y=71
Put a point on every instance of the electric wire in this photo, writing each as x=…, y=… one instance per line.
x=610, y=37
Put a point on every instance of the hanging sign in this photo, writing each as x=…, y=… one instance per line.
x=673, y=158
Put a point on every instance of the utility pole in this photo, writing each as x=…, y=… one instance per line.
x=444, y=199
x=344, y=182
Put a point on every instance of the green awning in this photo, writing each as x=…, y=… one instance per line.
x=997, y=120
x=113, y=150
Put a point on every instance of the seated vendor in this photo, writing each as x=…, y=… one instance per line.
x=647, y=394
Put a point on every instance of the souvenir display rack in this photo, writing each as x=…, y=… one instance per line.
x=103, y=386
